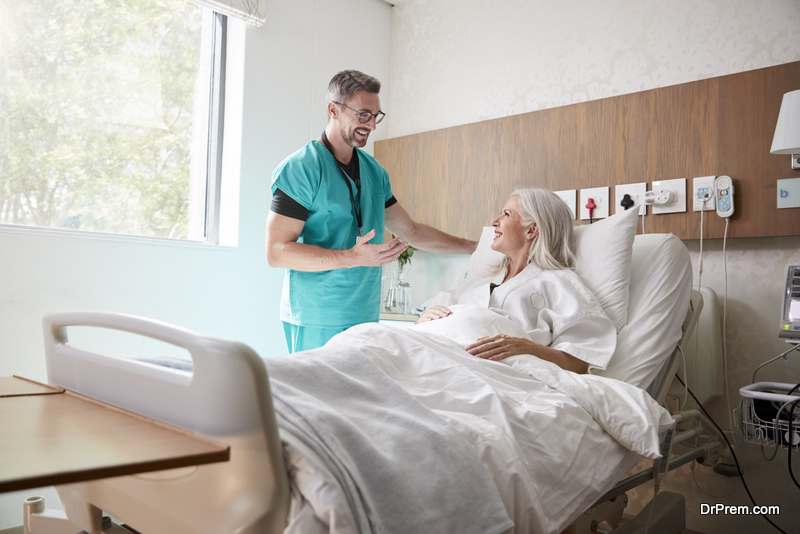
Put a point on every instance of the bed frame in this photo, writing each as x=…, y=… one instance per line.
x=240, y=414
x=252, y=487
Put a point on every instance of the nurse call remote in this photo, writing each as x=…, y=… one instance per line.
x=724, y=187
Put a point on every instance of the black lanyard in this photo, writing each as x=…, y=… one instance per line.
x=356, y=206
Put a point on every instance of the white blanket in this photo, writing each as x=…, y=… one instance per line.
x=552, y=441
x=376, y=440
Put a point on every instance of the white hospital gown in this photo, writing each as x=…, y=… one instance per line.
x=553, y=306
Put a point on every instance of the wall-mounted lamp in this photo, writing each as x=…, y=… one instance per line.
x=787, y=131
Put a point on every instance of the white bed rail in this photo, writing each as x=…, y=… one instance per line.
x=663, y=381
x=226, y=397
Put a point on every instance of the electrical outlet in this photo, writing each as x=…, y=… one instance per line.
x=569, y=197
x=636, y=191
x=660, y=197
x=674, y=205
x=600, y=197
x=703, y=188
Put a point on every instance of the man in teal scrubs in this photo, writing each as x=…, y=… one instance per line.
x=331, y=202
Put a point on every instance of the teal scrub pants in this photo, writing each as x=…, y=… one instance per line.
x=307, y=337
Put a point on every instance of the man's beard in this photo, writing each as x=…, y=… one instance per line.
x=352, y=139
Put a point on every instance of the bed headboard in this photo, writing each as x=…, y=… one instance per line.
x=719, y=126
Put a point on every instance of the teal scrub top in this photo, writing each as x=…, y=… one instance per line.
x=339, y=297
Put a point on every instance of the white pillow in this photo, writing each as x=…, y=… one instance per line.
x=484, y=259
x=603, y=251
x=661, y=286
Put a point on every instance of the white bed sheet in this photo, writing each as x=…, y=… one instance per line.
x=552, y=441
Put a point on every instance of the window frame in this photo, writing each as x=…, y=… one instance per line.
x=216, y=127
x=214, y=158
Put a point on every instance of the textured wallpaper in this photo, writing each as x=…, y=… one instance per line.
x=457, y=62
x=461, y=61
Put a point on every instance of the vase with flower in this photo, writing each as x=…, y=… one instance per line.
x=398, y=292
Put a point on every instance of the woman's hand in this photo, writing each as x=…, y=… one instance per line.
x=433, y=313
x=501, y=346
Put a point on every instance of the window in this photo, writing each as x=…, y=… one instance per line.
x=111, y=116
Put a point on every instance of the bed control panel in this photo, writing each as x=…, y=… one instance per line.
x=724, y=187
x=790, y=318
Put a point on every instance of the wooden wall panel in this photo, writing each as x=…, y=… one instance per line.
x=457, y=179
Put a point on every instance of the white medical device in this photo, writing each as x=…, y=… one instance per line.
x=790, y=317
x=724, y=187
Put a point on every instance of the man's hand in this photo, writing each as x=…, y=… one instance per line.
x=367, y=255
x=283, y=250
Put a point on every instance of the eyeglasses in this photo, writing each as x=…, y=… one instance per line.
x=365, y=116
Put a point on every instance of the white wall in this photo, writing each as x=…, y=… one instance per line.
x=461, y=61
x=222, y=291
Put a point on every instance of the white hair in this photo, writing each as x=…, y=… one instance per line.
x=553, y=247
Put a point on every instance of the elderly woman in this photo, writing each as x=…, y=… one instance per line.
x=536, y=287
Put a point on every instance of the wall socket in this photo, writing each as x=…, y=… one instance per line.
x=636, y=191
x=702, y=187
x=569, y=196
x=677, y=186
x=600, y=197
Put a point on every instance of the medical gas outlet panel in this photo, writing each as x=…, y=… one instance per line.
x=708, y=193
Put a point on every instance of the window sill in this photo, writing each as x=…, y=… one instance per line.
x=35, y=231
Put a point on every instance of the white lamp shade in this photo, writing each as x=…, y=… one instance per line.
x=787, y=131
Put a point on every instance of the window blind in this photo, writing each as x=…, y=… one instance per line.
x=251, y=11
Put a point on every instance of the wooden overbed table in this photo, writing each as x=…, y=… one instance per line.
x=51, y=436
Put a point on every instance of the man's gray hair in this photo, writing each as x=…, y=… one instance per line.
x=345, y=83
x=554, y=247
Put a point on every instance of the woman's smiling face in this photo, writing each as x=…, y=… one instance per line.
x=511, y=236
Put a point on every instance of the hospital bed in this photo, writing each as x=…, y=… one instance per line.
x=552, y=446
